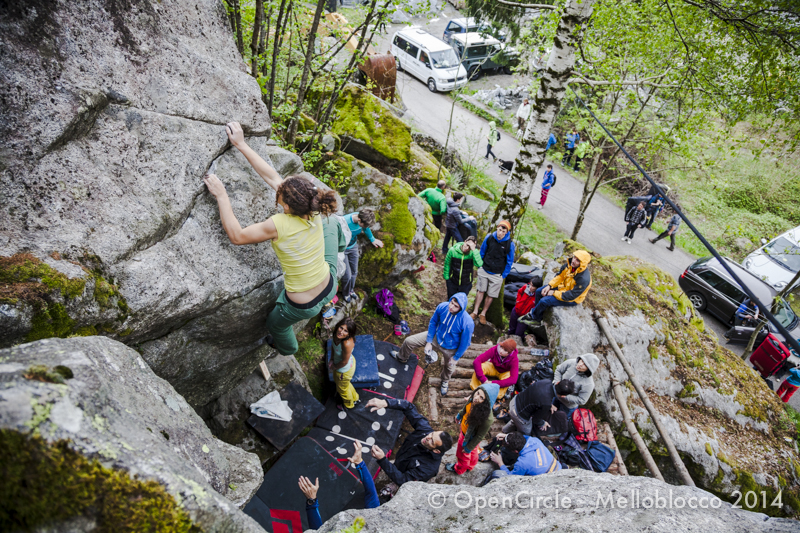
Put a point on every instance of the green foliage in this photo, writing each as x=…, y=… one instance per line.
x=46, y=483
x=332, y=169
x=538, y=233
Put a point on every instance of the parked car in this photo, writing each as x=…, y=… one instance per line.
x=429, y=59
x=469, y=25
x=710, y=288
x=778, y=260
x=480, y=53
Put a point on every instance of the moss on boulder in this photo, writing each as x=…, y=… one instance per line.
x=423, y=169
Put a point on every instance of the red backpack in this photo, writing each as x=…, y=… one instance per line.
x=584, y=425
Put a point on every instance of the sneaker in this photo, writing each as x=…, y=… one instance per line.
x=451, y=467
x=270, y=341
x=671, y=249
x=394, y=353
x=540, y=207
x=652, y=241
x=347, y=299
x=629, y=240
x=354, y=295
x=624, y=239
x=529, y=321
x=444, y=388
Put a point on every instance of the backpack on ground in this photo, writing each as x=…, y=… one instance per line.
x=584, y=426
x=600, y=455
x=386, y=306
x=570, y=452
x=541, y=370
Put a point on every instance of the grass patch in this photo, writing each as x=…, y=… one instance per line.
x=481, y=185
x=539, y=233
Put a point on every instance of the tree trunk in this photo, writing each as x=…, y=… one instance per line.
x=237, y=18
x=546, y=105
x=257, y=22
x=275, y=47
x=301, y=91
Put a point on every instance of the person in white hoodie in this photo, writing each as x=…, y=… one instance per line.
x=579, y=371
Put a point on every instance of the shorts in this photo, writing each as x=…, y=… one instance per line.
x=489, y=283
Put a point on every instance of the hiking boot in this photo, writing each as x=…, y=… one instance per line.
x=652, y=241
x=444, y=388
x=671, y=248
x=451, y=467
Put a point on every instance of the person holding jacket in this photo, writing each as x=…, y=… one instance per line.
x=497, y=252
x=501, y=361
x=420, y=455
x=492, y=139
x=579, y=371
x=635, y=218
x=449, y=332
x=534, y=457
x=459, y=265
x=526, y=300
x=436, y=199
x=534, y=402
x=568, y=288
x=548, y=181
x=476, y=418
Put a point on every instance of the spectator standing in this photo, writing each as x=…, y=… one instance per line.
x=492, y=139
x=526, y=300
x=475, y=420
x=551, y=141
x=455, y=217
x=523, y=113
x=548, y=181
x=579, y=371
x=635, y=218
x=501, y=361
x=572, y=139
x=497, y=252
x=436, y=199
x=789, y=385
x=449, y=332
x=459, y=265
x=357, y=222
x=343, y=362
x=568, y=288
x=672, y=228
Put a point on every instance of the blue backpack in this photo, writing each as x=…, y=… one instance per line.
x=600, y=455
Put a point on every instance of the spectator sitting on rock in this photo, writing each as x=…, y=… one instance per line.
x=310, y=490
x=579, y=371
x=436, y=199
x=357, y=222
x=306, y=244
x=534, y=457
x=500, y=361
x=526, y=300
x=568, y=288
x=497, y=252
x=420, y=455
x=475, y=420
x=459, y=265
x=535, y=402
x=449, y=332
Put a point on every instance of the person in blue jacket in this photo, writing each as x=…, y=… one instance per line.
x=548, y=180
x=449, y=333
x=534, y=457
x=497, y=252
x=572, y=140
x=551, y=141
x=371, y=500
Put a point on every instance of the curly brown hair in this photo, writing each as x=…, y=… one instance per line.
x=303, y=198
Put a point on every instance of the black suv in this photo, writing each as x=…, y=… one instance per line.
x=709, y=287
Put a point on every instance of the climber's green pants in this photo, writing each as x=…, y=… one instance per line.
x=285, y=314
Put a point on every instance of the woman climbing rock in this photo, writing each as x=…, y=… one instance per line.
x=306, y=243
x=343, y=361
x=476, y=418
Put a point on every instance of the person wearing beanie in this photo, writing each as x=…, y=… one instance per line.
x=500, y=362
x=497, y=253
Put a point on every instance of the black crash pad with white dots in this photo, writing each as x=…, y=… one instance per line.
x=305, y=408
x=395, y=377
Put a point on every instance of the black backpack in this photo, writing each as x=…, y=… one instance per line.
x=541, y=370
x=555, y=179
x=499, y=136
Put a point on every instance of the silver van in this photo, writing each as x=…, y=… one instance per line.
x=777, y=261
x=429, y=59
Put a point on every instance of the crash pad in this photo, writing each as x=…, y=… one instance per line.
x=366, y=374
x=395, y=377
x=279, y=505
x=305, y=408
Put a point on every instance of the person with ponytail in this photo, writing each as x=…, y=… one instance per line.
x=306, y=243
x=476, y=418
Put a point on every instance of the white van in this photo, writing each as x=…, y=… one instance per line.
x=777, y=261
x=429, y=59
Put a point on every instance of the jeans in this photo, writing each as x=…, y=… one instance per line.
x=453, y=288
x=471, y=226
x=523, y=425
x=562, y=407
x=567, y=156
x=631, y=230
x=664, y=234
x=543, y=303
x=452, y=233
x=489, y=152
x=497, y=474
x=351, y=256
x=515, y=327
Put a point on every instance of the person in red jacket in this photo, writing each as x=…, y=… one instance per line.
x=500, y=362
x=526, y=300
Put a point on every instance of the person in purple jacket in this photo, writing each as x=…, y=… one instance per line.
x=500, y=362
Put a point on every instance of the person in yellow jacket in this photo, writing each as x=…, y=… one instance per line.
x=568, y=288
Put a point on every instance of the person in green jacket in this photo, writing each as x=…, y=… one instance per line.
x=436, y=199
x=462, y=260
x=492, y=139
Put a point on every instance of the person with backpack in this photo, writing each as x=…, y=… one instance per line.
x=475, y=419
x=305, y=239
x=579, y=371
x=654, y=206
x=580, y=153
x=534, y=403
x=526, y=300
x=459, y=265
x=497, y=252
x=449, y=332
x=435, y=198
x=501, y=362
x=568, y=288
x=548, y=182
x=493, y=138
x=356, y=223
x=534, y=457
x=455, y=217
x=635, y=219
x=343, y=362
x=571, y=140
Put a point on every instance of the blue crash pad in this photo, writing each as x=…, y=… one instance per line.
x=366, y=375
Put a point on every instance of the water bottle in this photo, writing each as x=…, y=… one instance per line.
x=540, y=352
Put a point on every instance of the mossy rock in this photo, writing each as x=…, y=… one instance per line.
x=370, y=131
x=423, y=170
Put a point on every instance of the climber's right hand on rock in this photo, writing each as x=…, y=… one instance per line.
x=215, y=186
x=235, y=133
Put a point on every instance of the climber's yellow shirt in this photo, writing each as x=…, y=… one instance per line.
x=300, y=248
